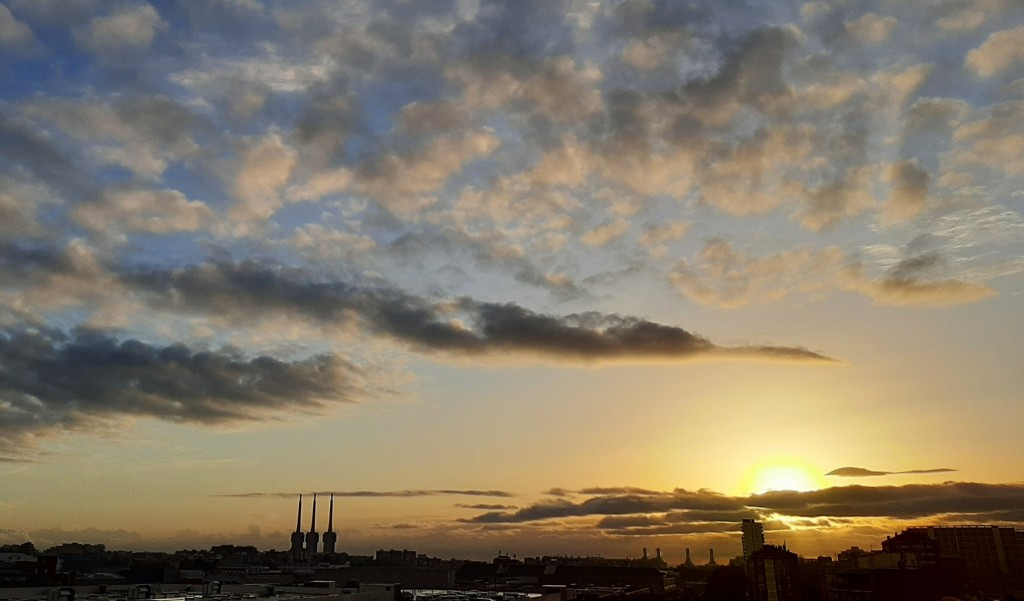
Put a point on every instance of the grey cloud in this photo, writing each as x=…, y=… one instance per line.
x=490, y=249
x=914, y=267
x=909, y=193
x=669, y=529
x=619, y=490
x=247, y=289
x=753, y=73
x=30, y=148
x=680, y=506
x=909, y=501
x=485, y=506
x=616, y=503
x=860, y=472
x=55, y=13
x=375, y=493
x=51, y=382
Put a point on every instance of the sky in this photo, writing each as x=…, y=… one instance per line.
x=540, y=277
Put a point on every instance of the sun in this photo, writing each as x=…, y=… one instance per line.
x=787, y=474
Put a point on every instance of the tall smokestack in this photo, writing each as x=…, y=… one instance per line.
x=330, y=537
x=312, y=523
x=312, y=538
x=330, y=515
x=297, y=537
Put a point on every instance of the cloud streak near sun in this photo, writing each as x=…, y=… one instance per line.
x=860, y=472
x=638, y=511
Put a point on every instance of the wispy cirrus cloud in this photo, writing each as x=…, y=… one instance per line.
x=373, y=493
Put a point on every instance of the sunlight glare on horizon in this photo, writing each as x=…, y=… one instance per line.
x=782, y=474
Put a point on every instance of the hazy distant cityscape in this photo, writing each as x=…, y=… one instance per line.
x=932, y=563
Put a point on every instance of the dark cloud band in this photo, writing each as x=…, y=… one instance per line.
x=648, y=508
x=465, y=326
x=52, y=382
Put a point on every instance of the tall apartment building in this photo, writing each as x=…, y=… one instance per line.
x=772, y=572
x=753, y=537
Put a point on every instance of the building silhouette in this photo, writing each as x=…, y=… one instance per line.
x=753, y=537
x=772, y=572
x=991, y=557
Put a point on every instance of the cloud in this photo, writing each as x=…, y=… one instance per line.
x=25, y=145
x=621, y=510
x=141, y=210
x=265, y=169
x=720, y=275
x=20, y=200
x=487, y=506
x=464, y=327
x=604, y=234
x=615, y=502
x=402, y=181
x=998, y=52
x=860, y=472
x=141, y=132
x=489, y=249
x=374, y=493
x=905, y=502
x=40, y=277
x=994, y=141
x=961, y=21
x=661, y=233
x=14, y=33
x=129, y=27
x=52, y=382
x=871, y=28
x=909, y=193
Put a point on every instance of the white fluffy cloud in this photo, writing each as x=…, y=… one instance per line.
x=999, y=51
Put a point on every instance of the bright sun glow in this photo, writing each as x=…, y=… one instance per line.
x=783, y=475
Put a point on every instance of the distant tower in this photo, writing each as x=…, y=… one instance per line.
x=312, y=538
x=689, y=562
x=645, y=553
x=753, y=537
x=711, y=557
x=330, y=537
x=297, y=535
